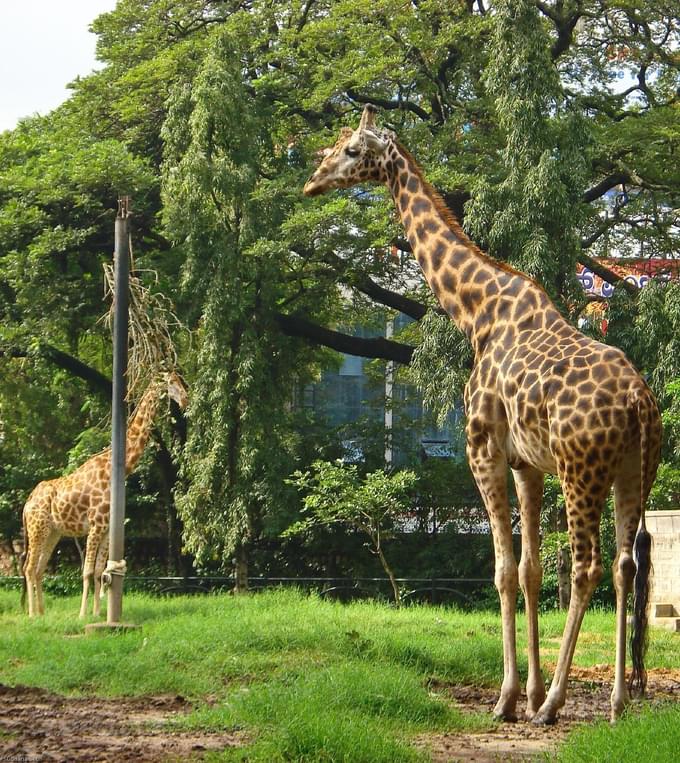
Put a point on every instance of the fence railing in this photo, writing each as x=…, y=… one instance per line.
x=463, y=592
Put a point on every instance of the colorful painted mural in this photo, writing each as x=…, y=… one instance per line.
x=638, y=272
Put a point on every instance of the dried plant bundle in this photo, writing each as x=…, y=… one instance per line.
x=151, y=320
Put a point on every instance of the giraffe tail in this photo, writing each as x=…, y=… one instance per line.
x=24, y=556
x=642, y=556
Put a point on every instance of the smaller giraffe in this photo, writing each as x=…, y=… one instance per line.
x=79, y=503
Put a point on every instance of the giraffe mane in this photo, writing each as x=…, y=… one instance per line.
x=452, y=222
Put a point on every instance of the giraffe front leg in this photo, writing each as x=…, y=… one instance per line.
x=529, y=487
x=489, y=468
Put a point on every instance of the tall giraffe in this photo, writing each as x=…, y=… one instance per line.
x=79, y=503
x=542, y=397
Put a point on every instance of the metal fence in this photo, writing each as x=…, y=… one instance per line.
x=460, y=592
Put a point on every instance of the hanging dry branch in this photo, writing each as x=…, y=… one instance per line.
x=151, y=320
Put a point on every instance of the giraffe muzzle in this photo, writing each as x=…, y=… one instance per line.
x=312, y=187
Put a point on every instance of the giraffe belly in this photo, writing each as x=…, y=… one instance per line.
x=530, y=448
x=69, y=516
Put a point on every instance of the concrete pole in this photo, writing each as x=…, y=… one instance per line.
x=121, y=268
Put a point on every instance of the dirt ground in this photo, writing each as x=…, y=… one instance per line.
x=587, y=701
x=37, y=727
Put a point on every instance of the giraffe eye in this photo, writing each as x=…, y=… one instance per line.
x=353, y=152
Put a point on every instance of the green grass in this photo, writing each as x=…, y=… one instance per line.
x=305, y=679
x=652, y=736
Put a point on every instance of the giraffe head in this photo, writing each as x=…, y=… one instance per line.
x=177, y=390
x=358, y=156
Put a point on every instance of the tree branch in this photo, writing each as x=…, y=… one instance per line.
x=606, y=274
x=386, y=349
x=383, y=103
x=97, y=381
x=606, y=184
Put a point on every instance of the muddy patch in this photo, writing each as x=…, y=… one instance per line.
x=36, y=725
x=587, y=701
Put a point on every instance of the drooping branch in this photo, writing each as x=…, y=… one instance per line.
x=97, y=381
x=385, y=349
x=366, y=285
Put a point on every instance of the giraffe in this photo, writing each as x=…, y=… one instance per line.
x=541, y=398
x=79, y=503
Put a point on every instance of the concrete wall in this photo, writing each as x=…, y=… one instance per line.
x=664, y=527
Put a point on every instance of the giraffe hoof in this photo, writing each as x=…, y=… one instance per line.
x=543, y=719
x=505, y=717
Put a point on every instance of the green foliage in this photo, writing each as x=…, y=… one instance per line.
x=440, y=364
x=528, y=210
x=220, y=210
x=334, y=493
x=665, y=493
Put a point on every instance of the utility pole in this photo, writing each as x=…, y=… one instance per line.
x=121, y=271
x=115, y=567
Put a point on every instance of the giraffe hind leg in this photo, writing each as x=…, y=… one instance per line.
x=628, y=510
x=34, y=566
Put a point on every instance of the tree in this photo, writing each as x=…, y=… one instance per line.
x=222, y=209
x=334, y=493
x=506, y=140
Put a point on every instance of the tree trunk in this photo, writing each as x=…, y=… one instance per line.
x=390, y=575
x=241, y=569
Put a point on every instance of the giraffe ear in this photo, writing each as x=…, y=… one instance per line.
x=355, y=141
x=375, y=142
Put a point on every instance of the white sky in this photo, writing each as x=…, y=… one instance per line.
x=44, y=45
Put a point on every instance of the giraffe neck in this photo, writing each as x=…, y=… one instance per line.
x=465, y=280
x=139, y=428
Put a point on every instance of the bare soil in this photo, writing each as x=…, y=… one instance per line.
x=587, y=701
x=36, y=725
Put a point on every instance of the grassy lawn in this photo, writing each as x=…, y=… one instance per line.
x=305, y=678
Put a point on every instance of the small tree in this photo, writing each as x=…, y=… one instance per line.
x=334, y=493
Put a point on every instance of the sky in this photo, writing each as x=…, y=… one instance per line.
x=44, y=45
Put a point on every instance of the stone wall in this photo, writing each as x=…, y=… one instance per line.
x=664, y=527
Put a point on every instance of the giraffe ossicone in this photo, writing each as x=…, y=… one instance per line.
x=541, y=398
x=79, y=503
